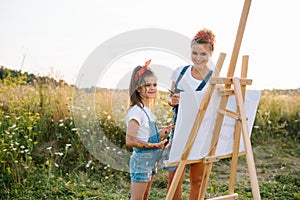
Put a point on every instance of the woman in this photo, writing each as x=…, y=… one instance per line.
x=192, y=77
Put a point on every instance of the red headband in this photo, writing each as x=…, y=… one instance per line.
x=205, y=36
x=142, y=71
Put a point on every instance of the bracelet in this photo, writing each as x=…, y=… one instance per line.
x=148, y=145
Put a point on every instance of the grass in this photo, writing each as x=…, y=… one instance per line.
x=42, y=155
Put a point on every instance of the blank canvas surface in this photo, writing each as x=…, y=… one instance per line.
x=188, y=108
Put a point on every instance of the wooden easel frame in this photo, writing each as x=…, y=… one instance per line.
x=239, y=89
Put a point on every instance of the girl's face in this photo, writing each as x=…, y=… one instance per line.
x=200, y=55
x=149, y=89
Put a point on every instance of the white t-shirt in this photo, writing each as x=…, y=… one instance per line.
x=188, y=82
x=140, y=116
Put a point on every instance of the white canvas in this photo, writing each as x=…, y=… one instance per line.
x=188, y=109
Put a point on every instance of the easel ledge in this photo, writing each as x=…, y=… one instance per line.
x=208, y=159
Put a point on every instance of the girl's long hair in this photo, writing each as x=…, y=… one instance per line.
x=135, y=98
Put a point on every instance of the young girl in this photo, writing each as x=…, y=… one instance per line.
x=193, y=77
x=142, y=133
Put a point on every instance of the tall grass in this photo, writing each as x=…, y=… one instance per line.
x=278, y=116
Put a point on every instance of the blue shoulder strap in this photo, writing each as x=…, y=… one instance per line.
x=176, y=90
x=199, y=88
x=203, y=83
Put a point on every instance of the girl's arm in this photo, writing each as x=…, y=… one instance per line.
x=132, y=141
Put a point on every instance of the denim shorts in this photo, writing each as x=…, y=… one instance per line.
x=143, y=165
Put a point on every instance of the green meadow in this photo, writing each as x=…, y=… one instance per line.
x=42, y=155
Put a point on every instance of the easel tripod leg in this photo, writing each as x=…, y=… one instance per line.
x=246, y=138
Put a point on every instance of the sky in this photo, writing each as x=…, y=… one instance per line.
x=56, y=37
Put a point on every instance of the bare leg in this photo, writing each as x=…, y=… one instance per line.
x=196, y=174
x=178, y=191
x=148, y=189
x=138, y=190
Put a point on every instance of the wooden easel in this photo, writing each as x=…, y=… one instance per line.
x=231, y=86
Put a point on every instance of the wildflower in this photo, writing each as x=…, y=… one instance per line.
x=49, y=148
x=89, y=164
x=59, y=153
x=13, y=126
x=68, y=145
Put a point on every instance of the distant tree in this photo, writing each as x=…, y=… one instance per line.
x=29, y=78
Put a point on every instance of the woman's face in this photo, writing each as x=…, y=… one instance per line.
x=149, y=89
x=200, y=55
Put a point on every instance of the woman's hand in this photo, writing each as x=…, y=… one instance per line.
x=174, y=99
